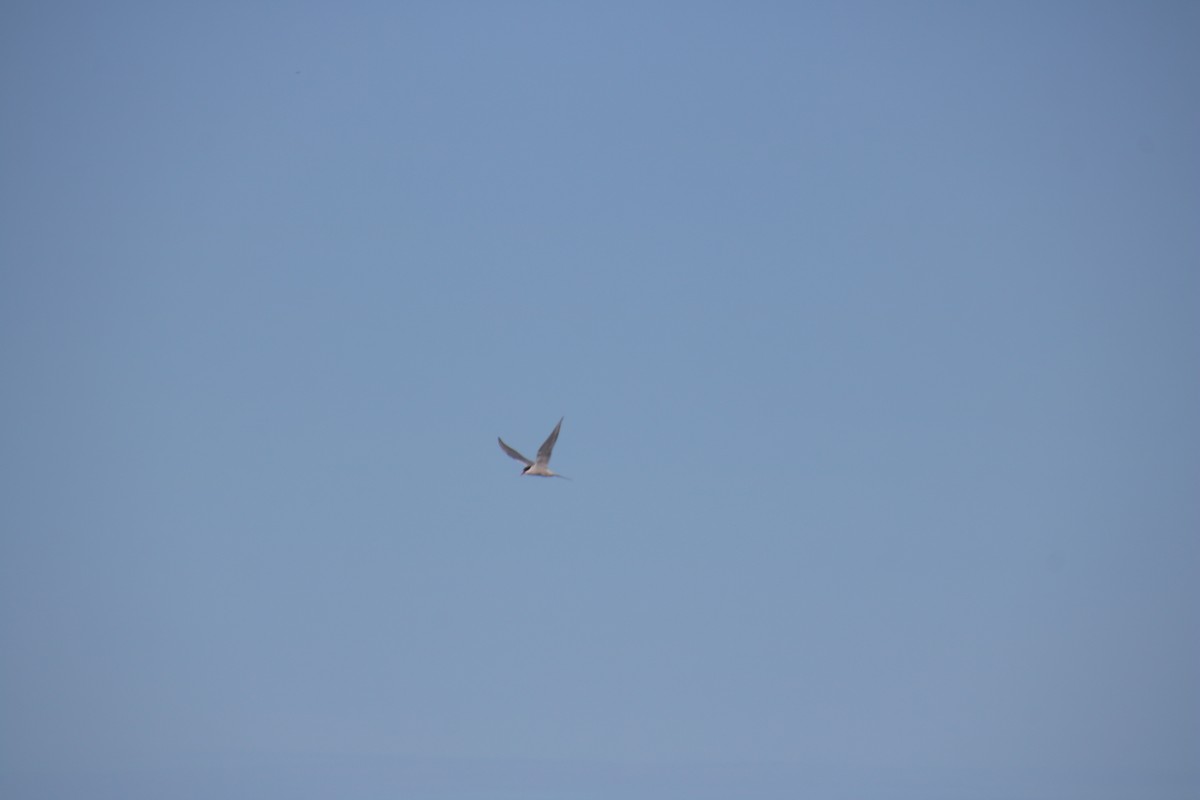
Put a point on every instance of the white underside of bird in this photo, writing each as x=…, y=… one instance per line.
x=539, y=466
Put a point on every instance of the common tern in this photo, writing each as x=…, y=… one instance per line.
x=538, y=467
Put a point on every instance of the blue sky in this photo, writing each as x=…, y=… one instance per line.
x=875, y=327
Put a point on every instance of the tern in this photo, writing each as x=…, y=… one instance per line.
x=538, y=467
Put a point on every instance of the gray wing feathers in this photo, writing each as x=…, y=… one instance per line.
x=514, y=454
x=543, y=454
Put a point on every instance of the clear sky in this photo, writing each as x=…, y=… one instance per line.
x=876, y=327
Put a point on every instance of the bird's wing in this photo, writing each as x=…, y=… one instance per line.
x=513, y=453
x=543, y=456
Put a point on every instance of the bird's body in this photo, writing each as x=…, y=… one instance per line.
x=540, y=466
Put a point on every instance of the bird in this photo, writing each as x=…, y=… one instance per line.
x=538, y=467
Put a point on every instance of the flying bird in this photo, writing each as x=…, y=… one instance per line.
x=538, y=467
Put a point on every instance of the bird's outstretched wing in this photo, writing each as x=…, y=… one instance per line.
x=543, y=456
x=513, y=453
